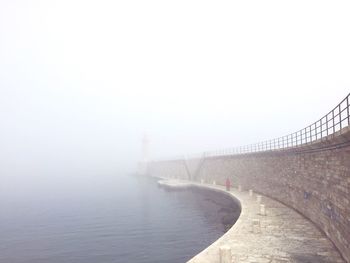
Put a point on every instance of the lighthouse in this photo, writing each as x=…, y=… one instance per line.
x=145, y=155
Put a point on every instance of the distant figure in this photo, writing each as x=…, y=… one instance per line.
x=228, y=184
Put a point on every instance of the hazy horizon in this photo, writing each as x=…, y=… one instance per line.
x=82, y=81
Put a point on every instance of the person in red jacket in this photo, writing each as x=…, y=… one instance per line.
x=228, y=184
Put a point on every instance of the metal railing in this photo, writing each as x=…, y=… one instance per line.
x=335, y=120
x=329, y=124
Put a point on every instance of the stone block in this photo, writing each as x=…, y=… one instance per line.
x=225, y=254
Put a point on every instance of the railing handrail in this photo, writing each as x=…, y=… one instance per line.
x=329, y=124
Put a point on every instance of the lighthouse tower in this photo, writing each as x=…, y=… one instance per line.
x=145, y=155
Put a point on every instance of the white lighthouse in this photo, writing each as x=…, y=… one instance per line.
x=145, y=155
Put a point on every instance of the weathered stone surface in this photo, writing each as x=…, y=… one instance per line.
x=284, y=235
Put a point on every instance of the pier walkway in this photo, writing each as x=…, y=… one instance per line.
x=265, y=232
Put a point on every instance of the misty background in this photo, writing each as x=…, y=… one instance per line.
x=82, y=81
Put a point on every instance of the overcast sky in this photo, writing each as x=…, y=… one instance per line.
x=81, y=81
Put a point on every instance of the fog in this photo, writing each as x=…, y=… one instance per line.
x=81, y=82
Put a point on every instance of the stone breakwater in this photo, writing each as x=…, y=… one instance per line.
x=313, y=179
x=266, y=231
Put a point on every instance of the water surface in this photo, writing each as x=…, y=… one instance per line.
x=106, y=219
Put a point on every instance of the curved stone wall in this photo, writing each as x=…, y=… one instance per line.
x=313, y=179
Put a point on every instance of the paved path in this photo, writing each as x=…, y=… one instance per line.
x=283, y=235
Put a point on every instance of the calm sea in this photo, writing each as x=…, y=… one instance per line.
x=107, y=219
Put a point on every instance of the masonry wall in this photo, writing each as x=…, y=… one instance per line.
x=314, y=180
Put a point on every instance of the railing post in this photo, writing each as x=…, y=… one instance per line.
x=347, y=107
x=333, y=121
x=305, y=135
x=310, y=133
x=289, y=141
x=315, y=129
x=300, y=139
x=282, y=142
x=340, y=120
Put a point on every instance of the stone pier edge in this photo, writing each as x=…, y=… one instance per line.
x=211, y=254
